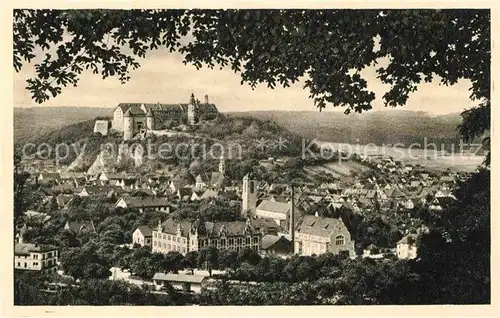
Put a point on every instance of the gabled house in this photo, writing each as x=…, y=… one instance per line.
x=406, y=248
x=177, y=184
x=276, y=245
x=440, y=203
x=144, y=204
x=201, y=181
x=64, y=201
x=443, y=193
x=318, y=235
x=408, y=204
x=46, y=177
x=63, y=188
x=196, y=196
x=79, y=227
x=266, y=226
x=143, y=236
x=425, y=195
x=184, y=194
x=218, y=180
x=209, y=194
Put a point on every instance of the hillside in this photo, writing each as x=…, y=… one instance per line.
x=198, y=150
x=35, y=121
x=381, y=127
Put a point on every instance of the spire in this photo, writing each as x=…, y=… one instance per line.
x=193, y=100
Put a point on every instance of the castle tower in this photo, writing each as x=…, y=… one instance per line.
x=149, y=120
x=249, y=195
x=128, y=125
x=222, y=166
x=192, y=110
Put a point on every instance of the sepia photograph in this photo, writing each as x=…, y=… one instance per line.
x=251, y=157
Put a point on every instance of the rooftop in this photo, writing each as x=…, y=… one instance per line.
x=181, y=278
x=27, y=248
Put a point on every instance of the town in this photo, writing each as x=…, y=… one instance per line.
x=203, y=223
x=252, y=157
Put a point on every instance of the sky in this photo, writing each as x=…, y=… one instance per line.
x=163, y=78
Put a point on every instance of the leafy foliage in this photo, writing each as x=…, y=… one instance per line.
x=275, y=47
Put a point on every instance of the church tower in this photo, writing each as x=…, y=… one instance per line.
x=128, y=125
x=249, y=195
x=149, y=120
x=222, y=166
x=192, y=110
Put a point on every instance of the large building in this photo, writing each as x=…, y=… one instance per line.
x=318, y=235
x=188, y=236
x=134, y=118
x=35, y=257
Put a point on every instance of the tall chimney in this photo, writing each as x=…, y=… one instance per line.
x=292, y=221
x=206, y=99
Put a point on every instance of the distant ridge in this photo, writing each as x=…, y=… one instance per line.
x=33, y=121
x=378, y=127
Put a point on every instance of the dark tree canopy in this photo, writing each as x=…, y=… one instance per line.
x=325, y=48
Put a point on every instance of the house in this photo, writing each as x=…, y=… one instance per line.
x=424, y=176
x=186, y=236
x=318, y=235
x=178, y=183
x=372, y=251
x=201, y=181
x=278, y=211
x=414, y=184
x=144, y=203
x=276, y=245
x=364, y=202
x=266, y=226
x=440, y=203
x=425, y=195
x=46, y=177
x=87, y=191
x=408, y=204
x=79, y=227
x=371, y=194
x=64, y=201
x=406, y=248
x=447, y=179
x=218, y=180
x=179, y=281
x=35, y=257
x=209, y=194
x=196, y=196
x=37, y=216
x=443, y=193
x=184, y=194
x=143, y=236
x=64, y=188
x=335, y=205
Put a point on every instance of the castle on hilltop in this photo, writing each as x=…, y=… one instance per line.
x=134, y=118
